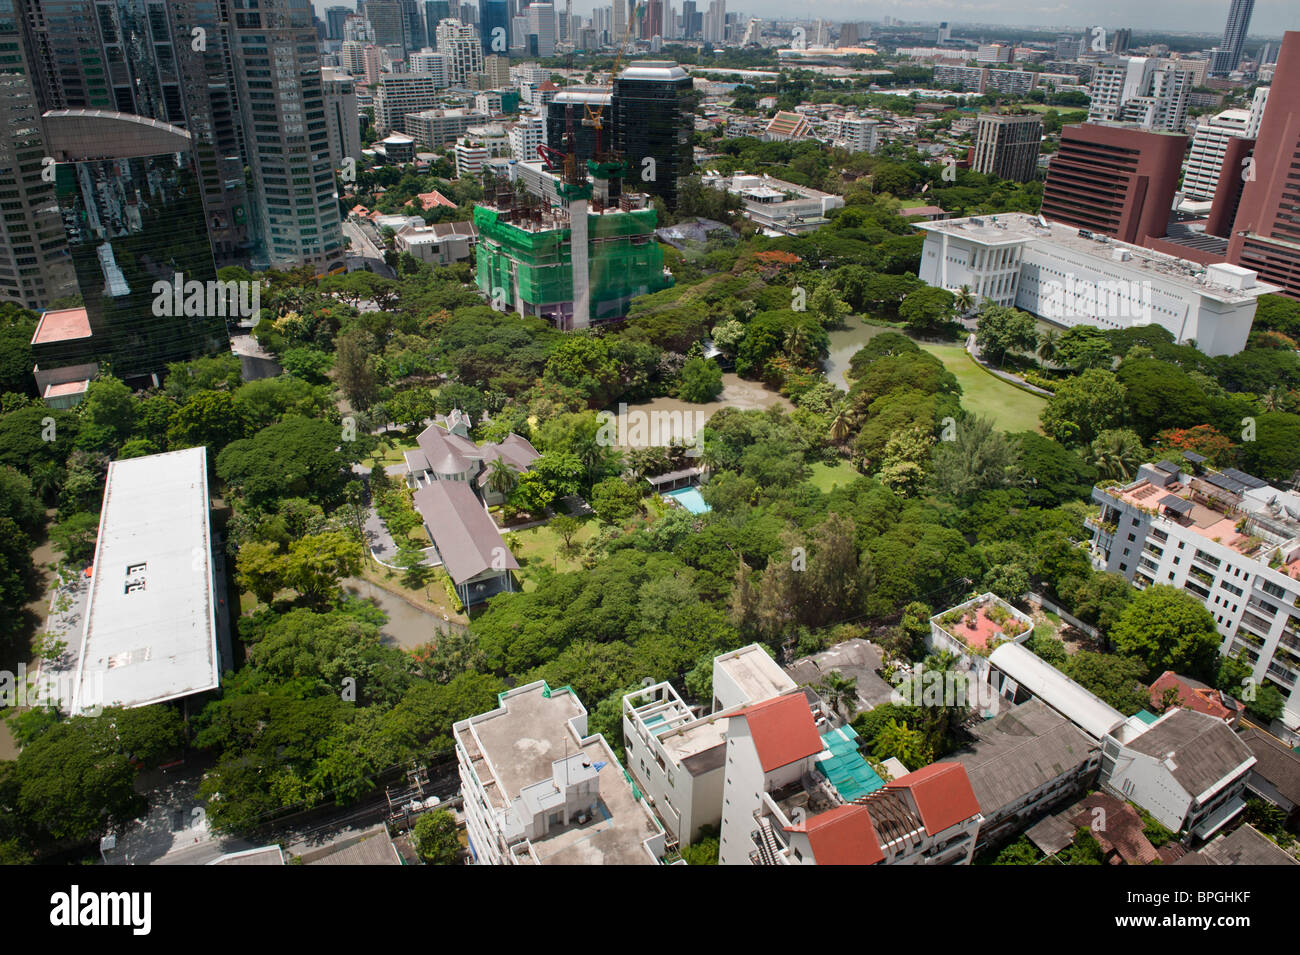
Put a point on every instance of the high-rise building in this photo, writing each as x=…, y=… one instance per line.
x=1120, y=40
x=541, y=29
x=654, y=126
x=494, y=27
x=388, y=24
x=413, y=34
x=1227, y=55
x=128, y=189
x=1008, y=146
x=688, y=18
x=1209, y=145
x=1139, y=90
x=652, y=21
x=1114, y=180
x=34, y=265
x=335, y=17
x=564, y=121
x=341, y=115
x=438, y=65
x=462, y=48
x=1266, y=233
x=277, y=62
x=435, y=11
x=715, y=22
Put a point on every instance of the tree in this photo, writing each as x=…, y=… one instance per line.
x=75, y=536
x=1116, y=454
x=840, y=692
x=979, y=458
x=1049, y=346
x=614, y=500
x=903, y=462
x=317, y=562
x=1168, y=629
x=1002, y=330
x=354, y=368
x=209, y=419
x=107, y=415
x=1083, y=407
x=567, y=527
x=826, y=304
x=701, y=380
x=964, y=300
x=904, y=743
x=297, y=457
x=437, y=838
x=1274, y=454
x=261, y=570
x=927, y=309
x=503, y=477
x=1083, y=347
x=1118, y=680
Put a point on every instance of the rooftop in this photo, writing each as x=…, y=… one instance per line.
x=1246, y=845
x=150, y=631
x=1275, y=763
x=1076, y=703
x=62, y=325
x=756, y=673
x=783, y=731
x=1218, y=282
x=467, y=539
x=1198, y=750
x=517, y=745
x=1194, y=695
x=983, y=623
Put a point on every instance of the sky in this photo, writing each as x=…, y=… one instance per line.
x=1271, y=17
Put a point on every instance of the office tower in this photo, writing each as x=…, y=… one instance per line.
x=1209, y=145
x=335, y=17
x=541, y=29
x=564, y=121
x=1008, y=146
x=654, y=126
x=463, y=50
x=1068, y=47
x=858, y=134
x=342, y=116
x=942, y=35
x=1120, y=41
x=286, y=134
x=688, y=18
x=128, y=190
x=34, y=265
x=496, y=71
x=398, y=95
x=413, y=36
x=435, y=11
x=1114, y=180
x=715, y=22
x=619, y=9
x=494, y=27
x=352, y=57
x=1266, y=233
x=388, y=24
x=1139, y=90
x=1227, y=55
x=652, y=21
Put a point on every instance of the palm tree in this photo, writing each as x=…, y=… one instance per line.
x=1275, y=399
x=840, y=692
x=964, y=300
x=796, y=340
x=504, y=478
x=841, y=423
x=1049, y=345
x=1115, y=455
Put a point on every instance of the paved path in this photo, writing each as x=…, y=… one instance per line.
x=974, y=351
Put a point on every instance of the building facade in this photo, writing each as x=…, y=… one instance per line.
x=1008, y=146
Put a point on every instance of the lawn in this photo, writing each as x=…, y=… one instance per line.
x=825, y=477
x=393, y=446
x=984, y=394
x=540, y=546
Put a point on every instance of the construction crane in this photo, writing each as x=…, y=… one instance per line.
x=593, y=117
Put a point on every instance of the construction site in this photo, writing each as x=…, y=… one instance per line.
x=575, y=262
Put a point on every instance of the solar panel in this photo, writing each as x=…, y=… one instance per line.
x=1193, y=457
x=1225, y=482
x=1167, y=466
x=1249, y=480
x=1176, y=504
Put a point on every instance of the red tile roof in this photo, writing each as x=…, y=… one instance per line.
x=1194, y=695
x=783, y=730
x=942, y=793
x=843, y=836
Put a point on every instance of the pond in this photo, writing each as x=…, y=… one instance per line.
x=408, y=626
x=845, y=343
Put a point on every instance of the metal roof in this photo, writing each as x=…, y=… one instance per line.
x=150, y=632
x=1176, y=504
x=1079, y=705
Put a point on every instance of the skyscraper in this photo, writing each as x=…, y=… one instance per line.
x=1008, y=146
x=334, y=19
x=494, y=27
x=1227, y=55
x=653, y=126
x=1266, y=233
x=282, y=103
x=541, y=24
x=34, y=265
x=388, y=24
x=1140, y=90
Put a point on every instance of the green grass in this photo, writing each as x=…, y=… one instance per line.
x=540, y=546
x=987, y=395
x=825, y=477
x=393, y=447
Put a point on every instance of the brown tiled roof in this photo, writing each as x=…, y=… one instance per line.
x=466, y=537
x=1122, y=830
x=1194, y=695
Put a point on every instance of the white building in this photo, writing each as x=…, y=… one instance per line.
x=341, y=115
x=439, y=244
x=1140, y=90
x=1229, y=539
x=434, y=63
x=538, y=790
x=974, y=629
x=400, y=94
x=463, y=49
x=151, y=630
x=479, y=145
x=858, y=134
x=525, y=136
x=779, y=207
x=994, y=53
x=1187, y=769
x=1209, y=143
x=541, y=23
x=1068, y=278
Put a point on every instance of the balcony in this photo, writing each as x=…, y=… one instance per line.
x=1194, y=588
x=1208, y=559
x=1254, y=603
x=1257, y=624
x=1203, y=576
x=1282, y=674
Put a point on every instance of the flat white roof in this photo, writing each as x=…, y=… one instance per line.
x=1076, y=703
x=150, y=632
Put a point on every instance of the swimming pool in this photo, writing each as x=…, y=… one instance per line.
x=689, y=498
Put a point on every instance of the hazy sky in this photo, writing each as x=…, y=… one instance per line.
x=1271, y=17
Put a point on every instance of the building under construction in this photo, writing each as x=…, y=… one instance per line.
x=575, y=262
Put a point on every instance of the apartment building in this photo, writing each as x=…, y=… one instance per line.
x=1209, y=145
x=525, y=136
x=539, y=790
x=1008, y=146
x=478, y=146
x=1226, y=537
x=342, y=115
x=440, y=127
x=397, y=95
x=1140, y=90
x=464, y=52
x=858, y=134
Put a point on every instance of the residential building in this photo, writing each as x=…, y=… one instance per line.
x=1187, y=769
x=478, y=146
x=1141, y=91
x=1024, y=762
x=1174, y=689
x=653, y=128
x=1245, y=845
x=151, y=631
x=1265, y=236
x=1275, y=777
x=434, y=63
x=539, y=790
x=466, y=541
x=1226, y=537
x=1007, y=146
x=994, y=53
x=445, y=452
x=1073, y=277
x=439, y=244
x=858, y=134
x=431, y=128
x=342, y=116
x=1017, y=675
x=974, y=629
x=458, y=42
x=1010, y=82
x=525, y=136
x=1113, y=180
x=399, y=95
x=1209, y=145
x=960, y=77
